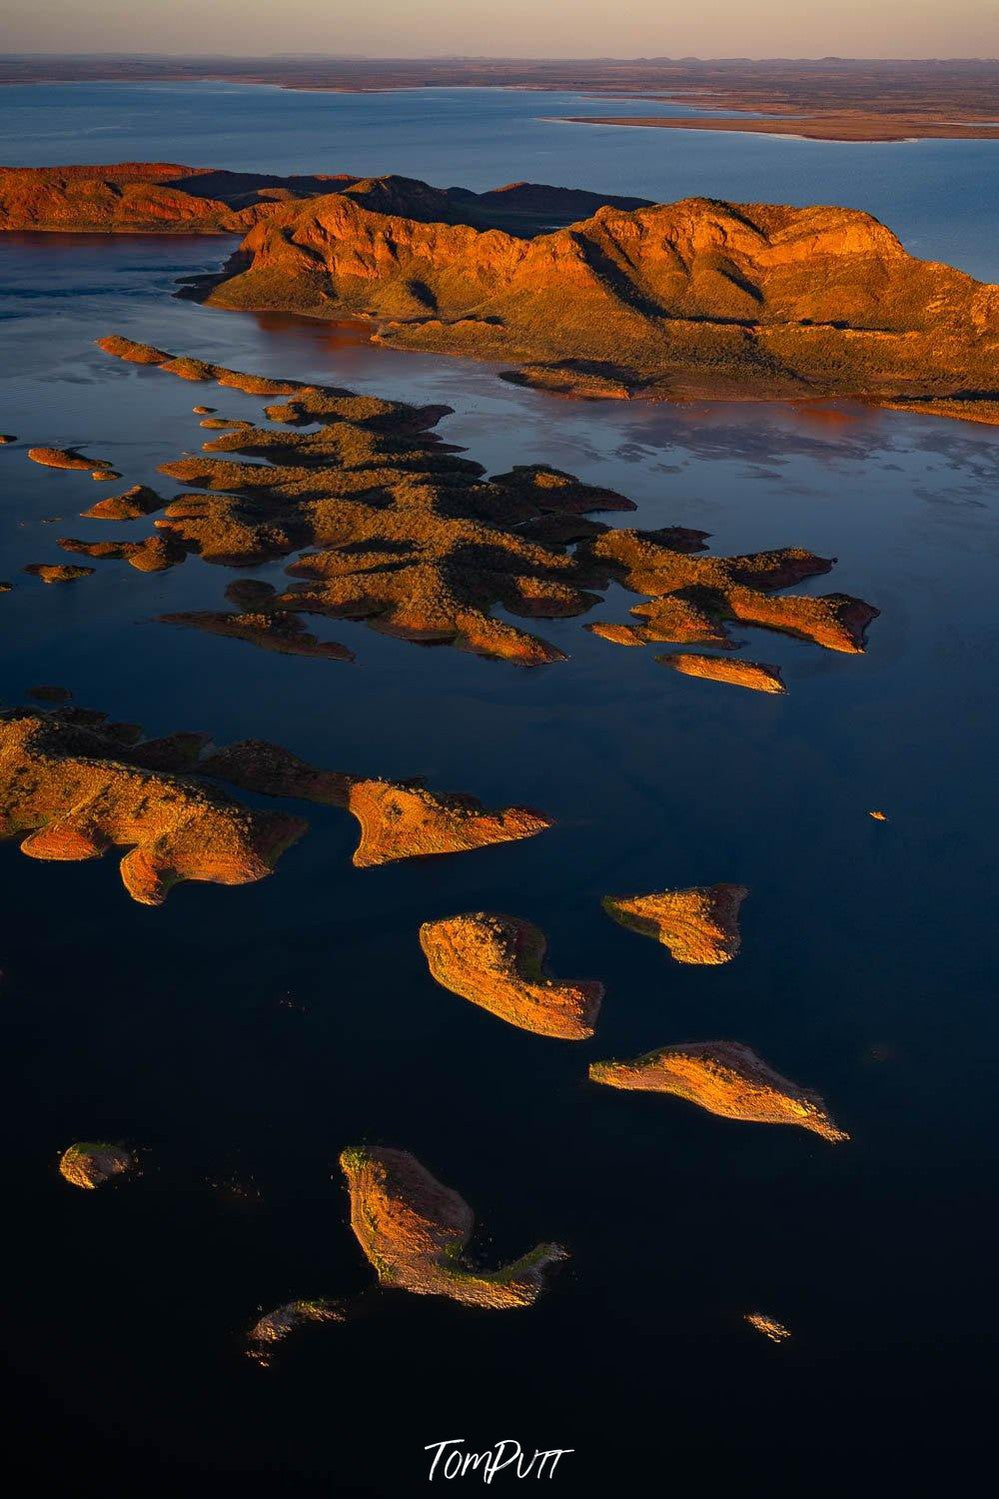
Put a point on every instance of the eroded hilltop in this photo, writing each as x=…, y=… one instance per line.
x=691, y=300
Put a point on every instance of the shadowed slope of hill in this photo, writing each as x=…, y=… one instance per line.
x=694, y=299
x=163, y=197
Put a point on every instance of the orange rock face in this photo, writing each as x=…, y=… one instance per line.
x=406, y=821
x=695, y=299
x=66, y=458
x=415, y=1231
x=700, y=925
x=72, y=789
x=399, y=820
x=725, y=1078
x=147, y=197
x=58, y=572
x=498, y=962
x=752, y=674
x=153, y=555
x=165, y=198
x=91, y=1163
x=618, y=634
x=134, y=503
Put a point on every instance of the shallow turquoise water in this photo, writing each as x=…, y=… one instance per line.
x=243, y=1037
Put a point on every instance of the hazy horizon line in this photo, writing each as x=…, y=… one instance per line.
x=415, y=57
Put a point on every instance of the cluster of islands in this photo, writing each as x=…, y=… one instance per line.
x=380, y=520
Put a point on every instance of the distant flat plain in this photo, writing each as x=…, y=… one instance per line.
x=829, y=99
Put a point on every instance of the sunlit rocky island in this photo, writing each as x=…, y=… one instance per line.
x=693, y=300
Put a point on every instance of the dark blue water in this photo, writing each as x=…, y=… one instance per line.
x=240, y=1038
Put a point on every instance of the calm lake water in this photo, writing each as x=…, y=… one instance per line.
x=240, y=1038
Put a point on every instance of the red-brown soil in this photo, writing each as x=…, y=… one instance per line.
x=700, y=925
x=725, y=1078
x=755, y=675
x=498, y=962
x=73, y=789
x=398, y=820
x=415, y=1232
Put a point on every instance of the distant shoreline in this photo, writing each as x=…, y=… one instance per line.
x=830, y=99
x=876, y=130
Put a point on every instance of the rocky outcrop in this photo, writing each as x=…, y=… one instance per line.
x=389, y=525
x=700, y=925
x=415, y=1232
x=73, y=788
x=498, y=962
x=281, y=632
x=752, y=674
x=698, y=299
x=725, y=1078
x=406, y=821
x=68, y=458
x=132, y=504
x=153, y=555
x=58, y=572
x=91, y=1163
x=694, y=598
x=398, y=820
x=768, y=1326
x=276, y=1326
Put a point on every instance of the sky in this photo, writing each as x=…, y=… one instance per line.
x=507, y=28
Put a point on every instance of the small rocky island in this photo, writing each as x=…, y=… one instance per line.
x=700, y=925
x=725, y=1078
x=415, y=1232
x=498, y=962
x=275, y=1326
x=91, y=1163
